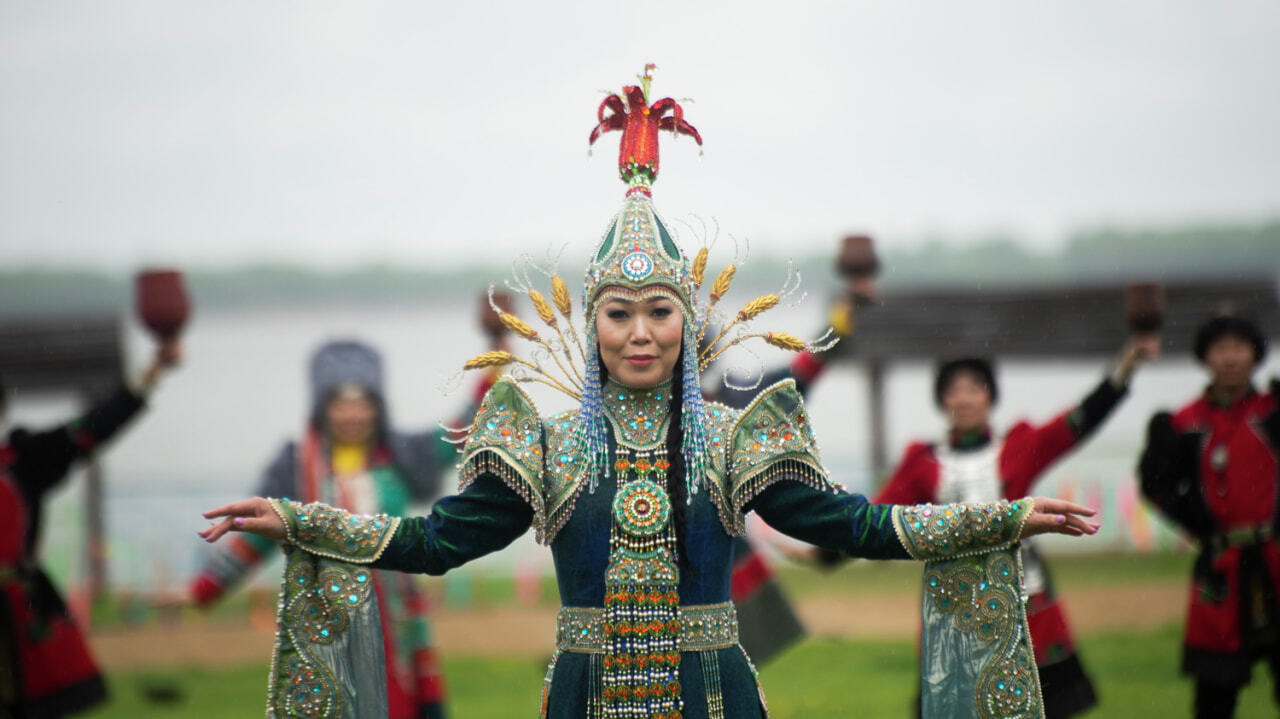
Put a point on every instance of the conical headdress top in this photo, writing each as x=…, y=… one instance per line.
x=637, y=256
x=640, y=123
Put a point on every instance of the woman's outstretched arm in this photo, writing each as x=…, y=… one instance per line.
x=852, y=525
x=485, y=517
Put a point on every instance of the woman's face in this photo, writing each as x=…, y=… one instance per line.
x=967, y=402
x=351, y=419
x=639, y=341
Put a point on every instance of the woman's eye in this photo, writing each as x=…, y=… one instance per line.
x=616, y=315
x=660, y=312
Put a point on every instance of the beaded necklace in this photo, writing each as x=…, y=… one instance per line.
x=641, y=593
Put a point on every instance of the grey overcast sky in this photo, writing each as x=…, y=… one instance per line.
x=414, y=133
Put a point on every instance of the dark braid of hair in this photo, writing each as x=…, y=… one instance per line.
x=676, y=473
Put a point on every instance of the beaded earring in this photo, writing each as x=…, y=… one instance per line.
x=693, y=420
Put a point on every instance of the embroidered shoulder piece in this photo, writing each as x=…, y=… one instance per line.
x=938, y=531
x=562, y=479
x=506, y=440
x=771, y=441
x=335, y=533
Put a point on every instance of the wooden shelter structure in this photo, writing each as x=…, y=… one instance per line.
x=1044, y=322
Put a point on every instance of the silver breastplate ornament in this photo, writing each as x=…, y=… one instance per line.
x=972, y=476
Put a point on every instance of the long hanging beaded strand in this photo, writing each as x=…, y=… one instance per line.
x=693, y=420
x=641, y=623
x=711, y=683
x=595, y=679
x=592, y=442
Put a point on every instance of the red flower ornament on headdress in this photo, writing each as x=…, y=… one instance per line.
x=640, y=124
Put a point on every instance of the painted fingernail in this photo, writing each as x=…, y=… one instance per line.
x=239, y=521
x=1060, y=519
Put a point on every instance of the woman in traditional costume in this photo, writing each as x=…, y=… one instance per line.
x=350, y=457
x=639, y=492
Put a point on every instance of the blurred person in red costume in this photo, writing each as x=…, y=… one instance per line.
x=46, y=668
x=973, y=463
x=1211, y=467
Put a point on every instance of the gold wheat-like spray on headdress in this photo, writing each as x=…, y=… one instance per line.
x=547, y=314
x=699, y=268
x=718, y=289
x=726, y=338
x=568, y=380
x=560, y=296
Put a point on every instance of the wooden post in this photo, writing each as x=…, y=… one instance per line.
x=876, y=415
x=95, y=530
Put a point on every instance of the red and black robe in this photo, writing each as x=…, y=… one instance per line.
x=1213, y=469
x=55, y=672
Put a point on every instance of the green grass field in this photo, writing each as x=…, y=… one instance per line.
x=1136, y=675
x=1136, y=671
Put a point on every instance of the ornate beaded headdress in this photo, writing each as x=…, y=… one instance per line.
x=637, y=258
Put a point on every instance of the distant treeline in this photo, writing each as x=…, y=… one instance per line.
x=1209, y=251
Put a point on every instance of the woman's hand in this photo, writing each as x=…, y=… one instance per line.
x=1058, y=516
x=168, y=355
x=1139, y=348
x=248, y=515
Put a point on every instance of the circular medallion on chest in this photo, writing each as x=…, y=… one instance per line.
x=642, y=508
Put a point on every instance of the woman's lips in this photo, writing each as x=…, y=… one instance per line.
x=641, y=360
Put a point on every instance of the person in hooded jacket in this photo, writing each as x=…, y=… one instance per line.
x=350, y=457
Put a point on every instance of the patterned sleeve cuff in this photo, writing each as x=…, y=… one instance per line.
x=335, y=533
x=946, y=531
